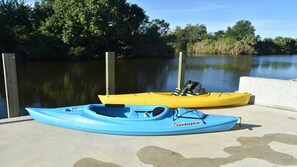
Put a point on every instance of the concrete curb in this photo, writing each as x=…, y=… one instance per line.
x=274, y=93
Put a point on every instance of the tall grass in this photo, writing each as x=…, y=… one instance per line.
x=223, y=46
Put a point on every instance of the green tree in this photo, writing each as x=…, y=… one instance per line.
x=154, y=39
x=37, y=45
x=286, y=45
x=191, y=34
x=219, y=34
x=15, y=24
x=91, y=27
x=238, y=40
x=156, y=25
x=42, y=10
x=241, y=30
x=267, y=46
x=279, y=45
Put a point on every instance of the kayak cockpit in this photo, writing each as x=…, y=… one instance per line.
x=127, y=112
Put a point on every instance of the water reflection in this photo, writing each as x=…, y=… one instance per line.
x=276, y=66
x=138, y=75
x=3, y=113
x=218, y=73
x=54, y=84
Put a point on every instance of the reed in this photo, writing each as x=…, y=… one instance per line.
x=224, y=46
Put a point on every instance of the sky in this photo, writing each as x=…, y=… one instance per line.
x=271, y=18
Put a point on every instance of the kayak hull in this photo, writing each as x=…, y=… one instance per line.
x=133, y=120
x=166, y=98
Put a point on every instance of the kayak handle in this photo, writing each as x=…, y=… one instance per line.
x=240, y=119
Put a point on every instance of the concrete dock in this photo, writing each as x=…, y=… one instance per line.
x=267, y=137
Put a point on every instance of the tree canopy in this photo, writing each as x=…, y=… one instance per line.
x=85, y=29
x=79, y=29
x=90, y=27
x=188, y=36
x=241, y=30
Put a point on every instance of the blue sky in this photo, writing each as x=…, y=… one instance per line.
x=271, y=18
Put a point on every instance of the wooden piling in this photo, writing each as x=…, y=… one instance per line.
x=11, y=86
x=181, y=70
x=110, y=72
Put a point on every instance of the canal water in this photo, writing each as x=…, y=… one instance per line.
x=57, y=84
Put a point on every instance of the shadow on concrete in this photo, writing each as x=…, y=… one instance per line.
x=220, y=107
x=245, y=126
x=90, y=162
x=16, y=121
x=251, y=147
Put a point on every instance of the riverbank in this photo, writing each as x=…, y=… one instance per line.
x=267, y=137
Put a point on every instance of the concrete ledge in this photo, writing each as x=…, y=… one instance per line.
x=274, y=93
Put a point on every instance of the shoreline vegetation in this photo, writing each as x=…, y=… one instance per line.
x=86, y=29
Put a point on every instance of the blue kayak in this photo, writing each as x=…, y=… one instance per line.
x=133, y=119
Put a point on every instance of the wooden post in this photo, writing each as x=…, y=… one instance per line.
x=181, y=70
x=110, y=72
x=11, y=86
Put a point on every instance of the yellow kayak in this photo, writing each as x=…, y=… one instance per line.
x=214, y=99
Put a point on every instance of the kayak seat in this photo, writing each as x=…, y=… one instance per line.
x=158, y=110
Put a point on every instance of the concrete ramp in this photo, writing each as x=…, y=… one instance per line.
x=274, y=93
x=267, y=137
